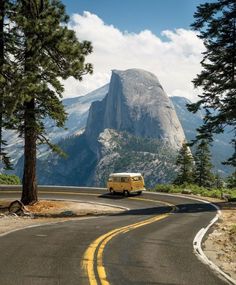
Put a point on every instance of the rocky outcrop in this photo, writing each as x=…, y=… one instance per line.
x=136, y=103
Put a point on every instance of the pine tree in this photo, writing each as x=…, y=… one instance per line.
x=185, y=164
x=231, y=180
x=47, y=52
x=218, y=181
x=202, y=169
x=2, y=17
x=216, y=24
x=8, y=74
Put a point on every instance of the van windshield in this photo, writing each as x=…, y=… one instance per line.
x=136, y=178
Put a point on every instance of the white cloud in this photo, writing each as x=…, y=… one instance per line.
x=174, y=58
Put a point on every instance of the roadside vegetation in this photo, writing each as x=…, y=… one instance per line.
x=196, y=190
x=195, y=175
x=7, y=179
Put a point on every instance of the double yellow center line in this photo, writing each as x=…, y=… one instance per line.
x=94, y=253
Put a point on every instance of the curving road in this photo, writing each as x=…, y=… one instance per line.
x=151, y=243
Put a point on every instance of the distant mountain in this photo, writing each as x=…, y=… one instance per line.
x=134, y=128
x=77, y=109
x=135, y=117
x=189, y=121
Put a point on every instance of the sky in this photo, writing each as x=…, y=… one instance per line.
x=154, y=35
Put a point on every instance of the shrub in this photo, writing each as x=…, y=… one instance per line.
x=6, y=179
x=195, y=189
x=166, y=188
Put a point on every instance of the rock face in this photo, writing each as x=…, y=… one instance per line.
x=136, y=103
x=133, y=129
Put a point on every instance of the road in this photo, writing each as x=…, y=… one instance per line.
x=151, y=243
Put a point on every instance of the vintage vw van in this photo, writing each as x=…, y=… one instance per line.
x=126, y=183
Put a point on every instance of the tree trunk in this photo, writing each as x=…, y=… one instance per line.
x=29, y=191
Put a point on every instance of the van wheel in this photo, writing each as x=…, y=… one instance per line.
x=139, y=192
x=112, y=191
x=126, y=193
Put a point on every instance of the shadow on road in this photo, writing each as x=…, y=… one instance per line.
x=194, y=207
x=180, y=209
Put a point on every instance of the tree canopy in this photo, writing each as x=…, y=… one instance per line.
x=46, y=51
x=8, y=73
x=216, y=24
x=202, y=168
x=185, y=166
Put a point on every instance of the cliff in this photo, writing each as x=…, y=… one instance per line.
x=136, y=103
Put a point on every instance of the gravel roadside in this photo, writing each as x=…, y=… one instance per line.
x=220, y=244
x=50, y=212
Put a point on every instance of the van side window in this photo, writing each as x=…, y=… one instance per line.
x=116, y=179
x=124, y=179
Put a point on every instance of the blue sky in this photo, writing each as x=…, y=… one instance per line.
x=153, y=35
x=137, y=15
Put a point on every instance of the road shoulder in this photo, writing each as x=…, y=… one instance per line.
x=47, y=211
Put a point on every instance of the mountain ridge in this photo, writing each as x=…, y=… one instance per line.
x=78, y=109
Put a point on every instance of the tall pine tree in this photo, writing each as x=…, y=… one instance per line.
x=202, y=168
x=47, y=52
x=185, y=166
x=2, y=47
x=216, y=24
x=8, y=74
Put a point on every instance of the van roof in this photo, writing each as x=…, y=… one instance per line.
x=125, y=174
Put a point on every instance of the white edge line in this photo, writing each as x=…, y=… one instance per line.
x=197, y=246
x=46, y=224
x=197, y=242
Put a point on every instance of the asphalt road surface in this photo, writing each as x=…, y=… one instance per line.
x=151, y=243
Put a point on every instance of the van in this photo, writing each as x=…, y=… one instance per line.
x=125, y=183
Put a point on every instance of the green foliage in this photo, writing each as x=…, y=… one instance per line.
x=6, y=179
x=216, y=24
x=167, y=188
x=202, y=168
x=218, y=182
x=195, y=190
x=185, y=164
x=48, y=51
x=45, y=52
x=8, y=73
x=231, y=180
